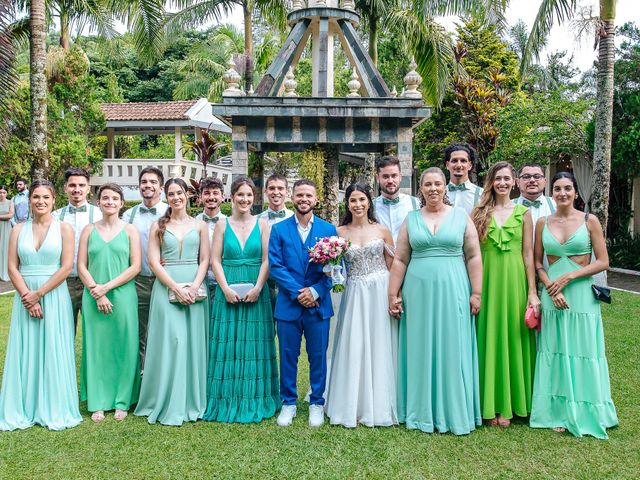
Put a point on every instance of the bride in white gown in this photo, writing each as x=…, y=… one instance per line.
x=362, y=383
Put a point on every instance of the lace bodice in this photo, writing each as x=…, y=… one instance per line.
x=365, y=260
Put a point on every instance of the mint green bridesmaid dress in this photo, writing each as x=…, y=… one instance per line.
x=174, y=383
x=110, y=377
x=571, y=388
x=39, y=379
x=437, y=355
x=243, y=372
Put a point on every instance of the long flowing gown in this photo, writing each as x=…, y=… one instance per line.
x=437, y=356
x=362, y=384
x=242, y=381
x=39, y=379
x=5, y=232
x=572, y=388
x=506, y=347
x=110, y=378
x=174, y=383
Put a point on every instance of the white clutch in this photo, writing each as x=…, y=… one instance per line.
x=241, y=289
x=200, y=295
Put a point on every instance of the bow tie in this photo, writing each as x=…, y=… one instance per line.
x=151, y=210
x=390, y=201
x=209, y=219
x=457, y=188
x=278, y=214
x=81, y=209
x=529, y=203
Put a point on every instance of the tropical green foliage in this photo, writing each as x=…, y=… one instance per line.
x=74, y=118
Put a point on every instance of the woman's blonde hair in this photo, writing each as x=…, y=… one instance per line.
x=444, y=180
x=483, y=212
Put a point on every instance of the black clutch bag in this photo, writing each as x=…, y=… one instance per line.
x=602, y=294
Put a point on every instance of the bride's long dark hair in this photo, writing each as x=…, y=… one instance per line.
x=358, y=187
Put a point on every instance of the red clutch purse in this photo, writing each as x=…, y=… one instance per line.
x=531, y=320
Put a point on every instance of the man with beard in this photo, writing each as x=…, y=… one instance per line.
x=303, y=305
x=531, y=182
x=212, y=196
x=78, y=213
x=142, y=216
x=20, y=202
x=459, y=159
x=392, y=207
x=276, y=188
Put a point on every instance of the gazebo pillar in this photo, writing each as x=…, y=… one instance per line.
x=240, y=153
x=111, y=143
x=405, y=156
x=174, y=170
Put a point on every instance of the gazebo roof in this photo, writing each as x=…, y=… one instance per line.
x=153, y=118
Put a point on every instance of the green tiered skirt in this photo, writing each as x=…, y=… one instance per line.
x=242, y=382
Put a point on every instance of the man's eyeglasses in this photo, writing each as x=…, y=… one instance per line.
x=527, y=176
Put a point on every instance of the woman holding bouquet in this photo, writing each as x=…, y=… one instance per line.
x=435, y=286
x=242, y=381
x=362, y=384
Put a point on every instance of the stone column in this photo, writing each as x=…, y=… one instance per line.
x=331, y=184
x=175, y=169
x=257, y=175
x=240, y=154
x=405, y=155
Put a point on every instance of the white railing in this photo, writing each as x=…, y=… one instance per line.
x=125, y=171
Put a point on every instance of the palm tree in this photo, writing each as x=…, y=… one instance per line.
x=197, y=12
x=38, y=88
x=373, y=12
x=429, y=41
x=7, y=66
x=552, y=11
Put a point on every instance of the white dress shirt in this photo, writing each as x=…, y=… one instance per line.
x=78, y=220
x=545, y=208
x=211, y=225
x=143, y=221
x=20, y=207
x=467, y=198
x=271, y=220
x=391, y=215
x=304, y=233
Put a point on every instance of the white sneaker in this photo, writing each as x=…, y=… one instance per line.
x=286, y=416
x=316, y=415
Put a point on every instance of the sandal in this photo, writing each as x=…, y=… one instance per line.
x=503, y=422
x=120, y=415
x=493, y=422
x=559, y=429
x=97, y=416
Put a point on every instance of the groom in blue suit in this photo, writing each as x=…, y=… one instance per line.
x=303, y=305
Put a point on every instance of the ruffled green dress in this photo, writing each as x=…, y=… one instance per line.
x=572, y=388
x=242, y=381
x=506, y=347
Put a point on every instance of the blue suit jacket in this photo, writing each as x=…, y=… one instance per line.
x=291, y=269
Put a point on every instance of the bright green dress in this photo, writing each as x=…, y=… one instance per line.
x=437, y=357
x=174, y=382
x=110, y=378
x=5, y=232
x=506, y=347
x=242, y=382
x=39, y=377
x=572, y=388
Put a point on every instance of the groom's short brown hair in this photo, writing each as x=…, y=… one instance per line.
x=303, y=181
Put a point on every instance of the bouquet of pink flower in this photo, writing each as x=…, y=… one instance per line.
x=329, y=251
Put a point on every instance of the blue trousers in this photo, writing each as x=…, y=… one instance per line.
x=316, y=334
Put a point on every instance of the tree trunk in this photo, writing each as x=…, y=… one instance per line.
x=604, y=113
x=373, y=39
x=38, y=87
x=331, y=182
x=248, y=46
x=65, y=40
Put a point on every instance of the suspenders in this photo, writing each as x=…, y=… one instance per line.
x=66, y=209
x=133, y=214
x=552, y=209
x=476, y=196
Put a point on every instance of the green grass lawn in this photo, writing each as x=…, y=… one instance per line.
x=135, y=450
